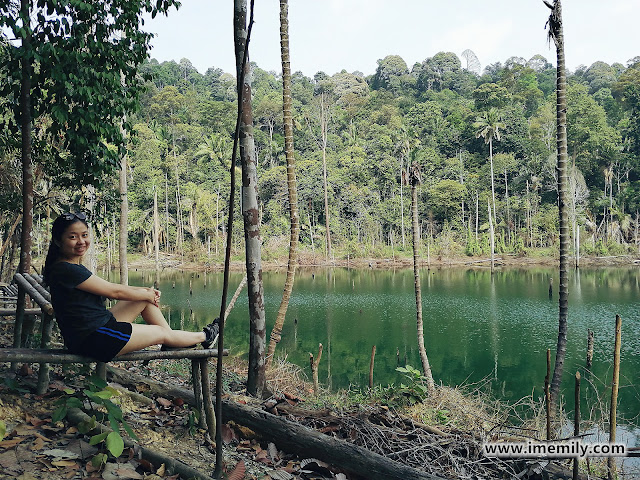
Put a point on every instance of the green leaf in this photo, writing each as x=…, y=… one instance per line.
x=88, y=425
x=96, y=439
x=99, y=460
x=69, y=391
x=130, y=432
x=115, y=426
x=3, y=430
x=59, y=413
x=104, y=394
x=115, y=444
x=74, y=402
x=98, y=382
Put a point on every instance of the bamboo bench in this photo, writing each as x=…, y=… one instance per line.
x=31, y=284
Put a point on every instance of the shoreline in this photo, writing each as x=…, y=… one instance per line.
x=310, y=262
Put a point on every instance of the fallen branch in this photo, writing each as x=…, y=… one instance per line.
x=75, y=416
x=291, y=437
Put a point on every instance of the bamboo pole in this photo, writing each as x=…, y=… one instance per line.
x=611, y=474
x=547, y=394
x=576, y=425
x=373, y=357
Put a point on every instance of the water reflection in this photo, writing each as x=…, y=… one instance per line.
x=476, y=325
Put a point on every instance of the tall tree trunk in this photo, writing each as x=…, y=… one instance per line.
x=402, y=200
x=26, y=237
x=291, y=181
x=426, y=367
x=324, y=121
x=251, y=214
x=493, y=191
x=156, y=229
x=556, y=33
x=167, y=245
x=124, y=214
x=492, y=238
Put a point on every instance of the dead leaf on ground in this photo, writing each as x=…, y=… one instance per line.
x=38, y=444
x=36, y=422
x=65, y=463
x=238, y=471
x=12, y=442
x=60, y=454
x=228, y=434
x=115, y=471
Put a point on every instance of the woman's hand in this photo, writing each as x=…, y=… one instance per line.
x=156, y=297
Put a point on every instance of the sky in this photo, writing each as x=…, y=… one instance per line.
x=332, y=35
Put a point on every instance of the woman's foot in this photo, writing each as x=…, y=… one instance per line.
x=212, y=332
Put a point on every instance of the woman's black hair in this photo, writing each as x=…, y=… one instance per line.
x=60, y=224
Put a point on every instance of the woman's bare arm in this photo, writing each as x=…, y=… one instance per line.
x=116, y=291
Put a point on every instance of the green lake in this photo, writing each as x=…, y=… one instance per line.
x=477, y=326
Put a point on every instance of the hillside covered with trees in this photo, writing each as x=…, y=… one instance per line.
x=483, y=143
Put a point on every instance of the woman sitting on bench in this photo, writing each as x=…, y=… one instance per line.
x=87, y=326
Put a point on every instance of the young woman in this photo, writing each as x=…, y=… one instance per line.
x=87, y=326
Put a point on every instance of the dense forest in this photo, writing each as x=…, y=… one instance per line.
x=484, y=145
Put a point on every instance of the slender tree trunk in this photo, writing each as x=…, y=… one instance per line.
x=179, y=224
x=506, y=195
x=26, y=235
x=251, y=215
x=291, y=181
x=124, y=214
x=492, y=239
x=426, y=367
x=477, y=213
x=556, y=33
x=402, y=201
x=156, y=229
x=493, y=190
x=167, y=245
x=324, y=126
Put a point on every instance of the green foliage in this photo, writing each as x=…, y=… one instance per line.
x=415, y=390
x=98, y=395
x=82, y=63
x=3, y=430
x=434, y=112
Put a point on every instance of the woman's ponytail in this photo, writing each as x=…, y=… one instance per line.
x=52, y=257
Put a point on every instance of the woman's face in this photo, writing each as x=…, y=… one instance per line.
x=74, y=242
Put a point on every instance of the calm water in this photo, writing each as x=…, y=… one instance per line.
x=475, y=326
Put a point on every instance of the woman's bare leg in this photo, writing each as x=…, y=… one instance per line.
x=128, y=311
x=156, y=331
x=143, y=336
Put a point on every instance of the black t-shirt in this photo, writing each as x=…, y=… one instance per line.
x=78, y=313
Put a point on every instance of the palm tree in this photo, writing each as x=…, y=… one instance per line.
x=413, y=178
x=291, y=181
x=556, y=34
x=488, y=126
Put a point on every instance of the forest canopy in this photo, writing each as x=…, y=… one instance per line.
x=457, y=125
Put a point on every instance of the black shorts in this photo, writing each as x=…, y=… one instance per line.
x=106, y=341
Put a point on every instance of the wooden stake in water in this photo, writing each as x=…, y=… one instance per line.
x=589, y=348
x=614, y=396
x=314, y=368
x=373, y=357
x=576, y=425
x=547, y=394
